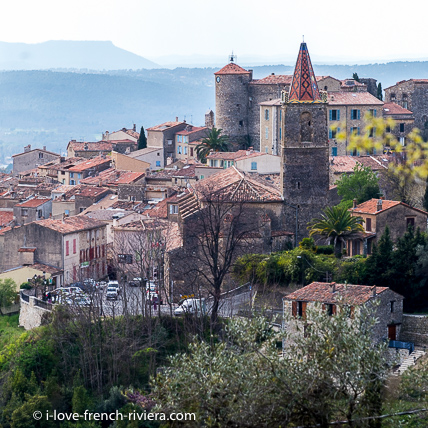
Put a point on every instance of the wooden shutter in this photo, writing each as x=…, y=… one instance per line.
x=294, y=309
x=333, y=309
x=331, y=115
x=324, y=307
x=338, y=114
x=351, y=312
x=358, y=114
x=304, y=310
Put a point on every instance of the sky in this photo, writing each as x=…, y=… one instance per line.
x=271, y=30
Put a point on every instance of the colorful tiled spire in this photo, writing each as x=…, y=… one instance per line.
x=304, y=88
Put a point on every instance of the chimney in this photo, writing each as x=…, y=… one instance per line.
x=27, y=148
x=176, y=118
x=63, y=217
x=44, y=148
x=134, y=128
x=106, y=136
x=374, y=291
x=169, y=160
x=333, y=287
x=354, y=203
x=379, y=205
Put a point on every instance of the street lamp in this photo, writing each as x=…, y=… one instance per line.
x=314, y=268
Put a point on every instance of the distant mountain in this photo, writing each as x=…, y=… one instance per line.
x=90, y=55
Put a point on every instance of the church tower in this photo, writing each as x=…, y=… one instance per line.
x=304, y=145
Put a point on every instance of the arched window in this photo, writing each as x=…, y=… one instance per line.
x=306, y=128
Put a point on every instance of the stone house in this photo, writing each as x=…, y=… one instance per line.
x=152, y=155
x=403, y=118
x=32, y=158
x=411, y=95
x=74, y=172
x=35, y=208
x=128, y=163
x=76, y=246
x=122, y=134
x=163, y=137
x=184, y=138
x=332, y=297
x=90, y=150
x=379, y=213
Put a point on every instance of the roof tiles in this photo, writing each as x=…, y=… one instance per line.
x=232, y=68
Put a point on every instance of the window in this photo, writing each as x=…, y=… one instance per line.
x=332, y=133
x=72, y=182
x=173, y=209
x=67, y=212
x=179, y=150
x=331, y=309
x=391, y=306
x=253, y=166
x=267, y=133
x=334, y=151
x=388, y=128
x=74, y=246
x=368, y=224
x=401, y=127
x=71, y=174
x=266, y=114
x=39, y=213
x=298, y=309
x=67, y=248
x=191, y=151
x=266, y=149
x=201, y=177
x=372, y=112
x=410, y=221
x=349, y=310
x=403, y=141
x=179, y=138
x=392, y=97
x=169, y=142
x=40, y=155
x=298, y=185
x=280, y=133
x=334, y=114
x=355, y=114
x=241, y=123
x=355, y=130
x=185, y=150
x=24, y=211
x=158, y=163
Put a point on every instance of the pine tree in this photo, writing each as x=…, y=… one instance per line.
x=142, y=140
x=355, y=77
x=379, y=91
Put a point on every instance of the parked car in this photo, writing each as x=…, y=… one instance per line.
x=115, y=284
x=191, y=306
x=112, y=293
x=137, y=282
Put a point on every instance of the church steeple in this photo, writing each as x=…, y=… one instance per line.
x=304, y=88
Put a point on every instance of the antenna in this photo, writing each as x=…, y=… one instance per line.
x=232, y=57
x=303, y=38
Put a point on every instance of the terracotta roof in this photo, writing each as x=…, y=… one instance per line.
x=349, y=83
x=83, y=191
x=228, y=155
x=275, y=102
x=346, y=164
x=393, y=108
x=70, y=224
x=344, y=293
x=52, y=270
x=370, y=207
x=90, y=163
x=160, y=210
x=27, y=250
x=232, y=68
x=5, y=218
x=191, y=129
x=353, y=98
x=145, y=151
x=34, y=202
x=273, y=80
x=113, y=177
x=164, y=126
x=186, y=171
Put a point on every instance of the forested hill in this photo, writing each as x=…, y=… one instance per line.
x=51, y=107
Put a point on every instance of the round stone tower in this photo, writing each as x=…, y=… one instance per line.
x=232, y=102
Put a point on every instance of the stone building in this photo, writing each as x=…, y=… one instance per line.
x=90, y=150
x=34, y=208
x=333, y=297
x=152, y=155
x=184, y=139
x=412, y=95
x=379, y=213
x=73, y=173
x=75, y=245
x=403, y=118
x=122, y=134
x=31, y=159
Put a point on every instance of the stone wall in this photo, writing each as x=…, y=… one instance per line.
x=31, y=314
x=415, y=329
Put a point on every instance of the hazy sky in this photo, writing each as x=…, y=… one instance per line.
x=336, y=31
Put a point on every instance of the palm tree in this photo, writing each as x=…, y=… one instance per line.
x=336, y=224
x=213, y=141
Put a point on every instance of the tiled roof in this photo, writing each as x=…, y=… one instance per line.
x=393, y=108
x=227, y=155
x=370, y=207
x=324, y=292
x=145, y=151
x=37, y=150
x=83, y=191
x=273, y=80
x=34, y=202
x=275, y=102
x=5, y=218
x=190, y=129
x=345, y=164
x=164, y=126
x=52, y=270
x=126, y=205
x=98, y=146
x=105, y=214
x=351, y=82
x=160, y=210
x=232, y=68
x=90, y=163
x=352, y=98
x=186, y=171
x=70, y=224
x=112, y=177
x=58, y=166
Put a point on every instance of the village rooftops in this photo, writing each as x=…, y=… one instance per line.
x=332, y=293
x=33, y=202
x=346, y=164
x=6, y=218
x=71, y=224
x=83, y=192
x=165, y=126
x=352, y=98
x=89, y=164
x=96, y=146
x=375, y=206
x=113, y=177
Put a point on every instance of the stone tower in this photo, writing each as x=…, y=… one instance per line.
x=304, y=145
x=232, y=101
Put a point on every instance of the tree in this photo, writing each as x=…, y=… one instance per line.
x=355, y=77
x=142, y=140
x=213, y=141
x=241, y=381
x=362, y=185
x=379, y=91
x=7, y=293
x=336, y=224
x=425, y=200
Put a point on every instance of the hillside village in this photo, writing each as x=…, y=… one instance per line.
x=146, y=208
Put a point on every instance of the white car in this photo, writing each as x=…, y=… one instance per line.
x=112, y=293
